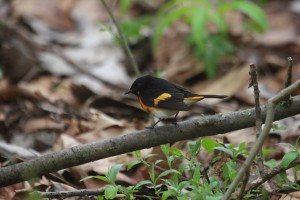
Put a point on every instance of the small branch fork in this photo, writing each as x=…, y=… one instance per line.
x=282, y=95
x=277, y=170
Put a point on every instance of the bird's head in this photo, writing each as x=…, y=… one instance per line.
x=139, y=84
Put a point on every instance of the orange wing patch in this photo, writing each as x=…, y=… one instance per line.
x=162, y=97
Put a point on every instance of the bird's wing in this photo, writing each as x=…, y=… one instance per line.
x=169, y=98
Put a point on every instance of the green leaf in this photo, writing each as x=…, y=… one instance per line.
x=198, y=20
x=110, y=192
x=243, y=146
x=165, y=20
x=133, y=29
x=112, y=173
x=183, y=184
x=209, y=144
x=176, y=152
x=225, y=150
x=165, y=149
x=152, y=173
x=289, y=158
x=254, y=12
x=141, y=183
x=150, y=155
x=168, y=193
x=100, y=197
x=229, y=170
x=214, y=197
x=196, y=176
x=267, y=152
x=219, y=21
x=278, y=127
x=125, y=5
x=182, y=197
x=138, y=154
x=133, y=163
x=297, y=167
x=99, y=177
x=271, y=163
x=194, y=147
x=158, y=161
x=34, y=196
x=168, y=172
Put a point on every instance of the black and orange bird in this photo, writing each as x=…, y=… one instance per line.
x=164, y=99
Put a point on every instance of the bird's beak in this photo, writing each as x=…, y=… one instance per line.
x=129, y=91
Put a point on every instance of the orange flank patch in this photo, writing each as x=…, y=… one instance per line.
x=192, y=100
x=162, y=97
x=145, y=107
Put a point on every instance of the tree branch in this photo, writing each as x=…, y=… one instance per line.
x=198, y=127
x=258, y=123
x=288, y=80
x=277, y=170
x=259, y=142
x=65, y=194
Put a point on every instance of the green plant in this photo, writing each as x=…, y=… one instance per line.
x=190, y=179
x=209, y=29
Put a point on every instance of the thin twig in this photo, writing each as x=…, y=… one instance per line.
x=258, y=117
x=259, y=142
x=288, y=80
x=65, y=194
x=123, y=41
x=193, y=128
x=277, y=170
x=244, y=184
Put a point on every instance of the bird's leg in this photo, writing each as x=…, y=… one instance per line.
x=175, y=119
x=154, y=124
x=172, y=120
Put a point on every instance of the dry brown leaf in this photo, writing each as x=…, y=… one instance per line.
x=100, y=166
x=43, y=123
x=49, y=88
x=181, y=64
x=55, y=13
x=244, y=135
x=281, y=29
x=229, y=84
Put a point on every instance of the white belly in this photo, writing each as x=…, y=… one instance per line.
x=163, y=114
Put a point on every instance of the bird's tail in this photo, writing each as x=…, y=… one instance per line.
x=214, y=96
x=193, y=98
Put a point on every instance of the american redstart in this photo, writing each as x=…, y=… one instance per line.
x=162, y=98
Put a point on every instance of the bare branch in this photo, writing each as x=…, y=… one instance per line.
x=259, y=142
x=277, y=170
x=244, y=184
x=288, y=80
x=258, y=123
x=65, y=194
x=198, y=127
